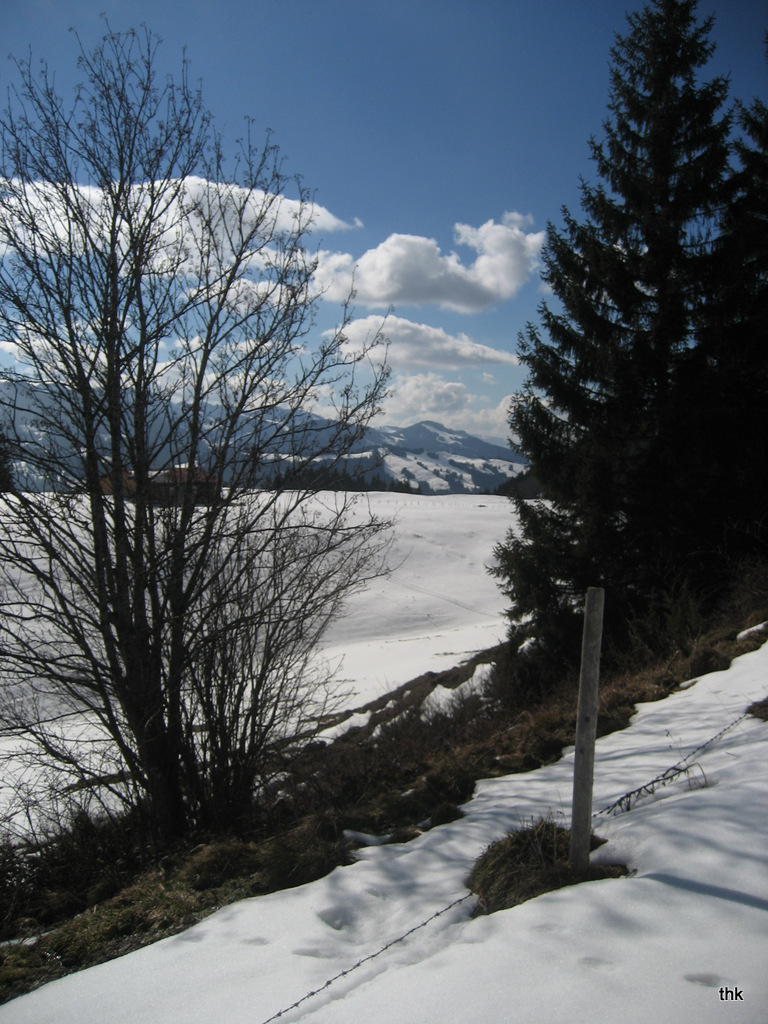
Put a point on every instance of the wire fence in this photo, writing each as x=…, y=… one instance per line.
x=366, y=959
x=622, y=805
x=684, y=765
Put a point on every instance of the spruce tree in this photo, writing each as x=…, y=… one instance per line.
x=600, y=414
x=736, y=344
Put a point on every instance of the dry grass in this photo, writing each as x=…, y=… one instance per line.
x=526, y=863
x=164, y=901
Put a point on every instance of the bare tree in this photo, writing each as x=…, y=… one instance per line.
x=6, y=465
x=162, y=597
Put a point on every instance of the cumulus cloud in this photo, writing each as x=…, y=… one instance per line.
x=422, y=396
x=420, y=345
x=488, y=421
x=191, y=217
x=412, y=270
x=323, y=220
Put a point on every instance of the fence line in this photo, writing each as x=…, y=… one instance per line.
x=365, y=959
x=622, y=805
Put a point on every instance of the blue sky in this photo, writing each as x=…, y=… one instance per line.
x=443, y=133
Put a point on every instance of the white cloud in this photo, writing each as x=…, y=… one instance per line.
x=422, y=346
x=233, y=208
x=423, y=396
x=412, y=270
x=487, y=421
x=192, y=219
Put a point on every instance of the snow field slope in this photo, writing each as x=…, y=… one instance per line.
x=437, y=607
x=660, y=945
x=669, y=943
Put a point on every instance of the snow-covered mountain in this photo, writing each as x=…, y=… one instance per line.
x=425, y=457
x=441, y=460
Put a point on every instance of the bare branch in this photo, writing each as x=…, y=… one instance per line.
x=159, y=583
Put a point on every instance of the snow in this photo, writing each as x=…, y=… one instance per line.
x=438, y=606
x=761, y=628
x=441, y=697
x=686, y=929
x=448, y=471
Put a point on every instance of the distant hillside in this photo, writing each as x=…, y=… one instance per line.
x=440, y=460
x=426, y=456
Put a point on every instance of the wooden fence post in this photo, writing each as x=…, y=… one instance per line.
x=586, y=728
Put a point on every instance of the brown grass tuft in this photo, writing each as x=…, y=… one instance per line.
x=528, y=862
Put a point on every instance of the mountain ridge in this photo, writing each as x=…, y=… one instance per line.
x=425, y=456
x=443, y=460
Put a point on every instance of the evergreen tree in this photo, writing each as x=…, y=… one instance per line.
x=601, y=418
x=735, y=344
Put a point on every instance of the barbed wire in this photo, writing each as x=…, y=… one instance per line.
x=365, y=959
x=623, y=804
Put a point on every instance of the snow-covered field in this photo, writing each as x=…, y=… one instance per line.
x=684, y=939
x=438, y=605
